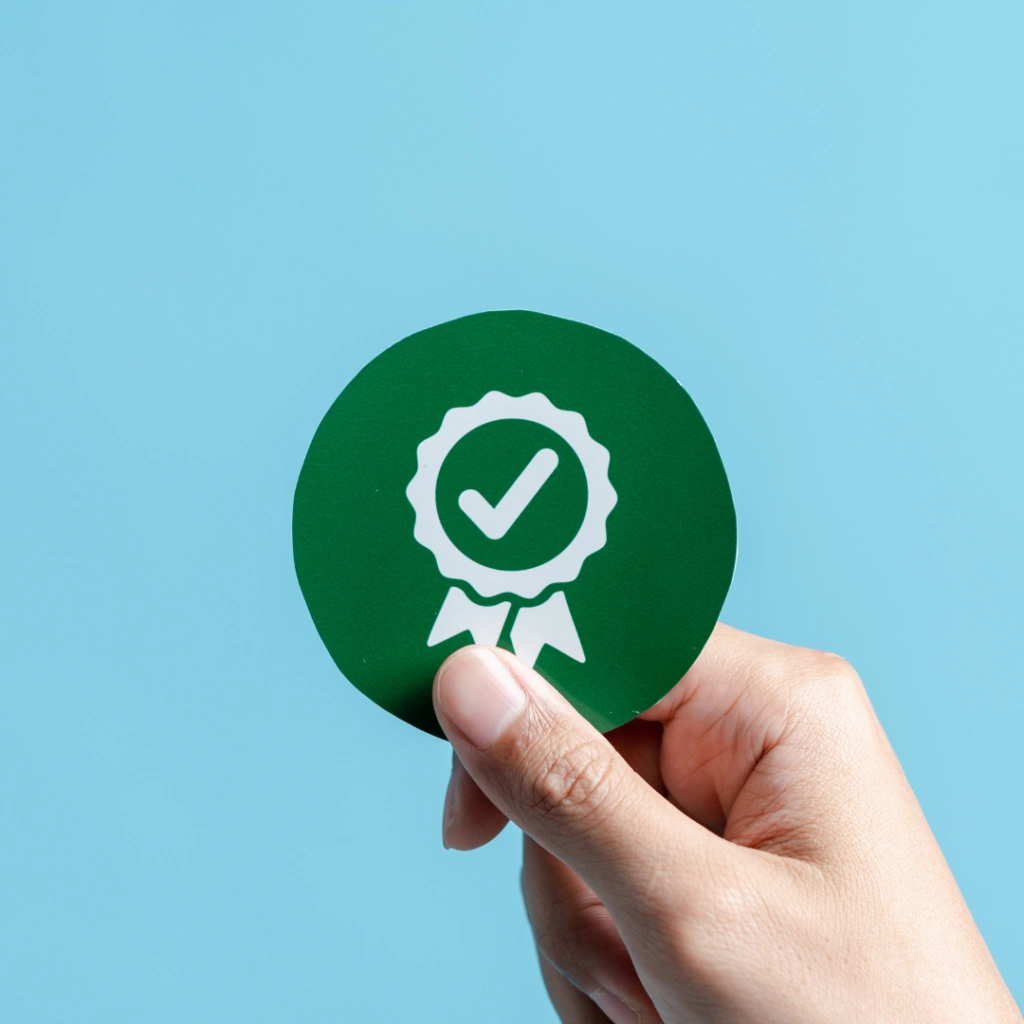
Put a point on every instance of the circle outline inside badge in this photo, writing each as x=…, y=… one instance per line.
x=565, y=566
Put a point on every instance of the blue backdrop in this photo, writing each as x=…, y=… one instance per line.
x=211, y=215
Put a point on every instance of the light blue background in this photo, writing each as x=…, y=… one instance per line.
x=212, y=214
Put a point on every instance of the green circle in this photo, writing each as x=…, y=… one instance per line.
x=642, y=606
x=546, y=526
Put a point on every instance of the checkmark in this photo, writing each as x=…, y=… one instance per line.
x=495, y=521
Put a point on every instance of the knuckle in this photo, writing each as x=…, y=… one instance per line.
x=575, y=782
x=838, y=681
x=829, y=705
x=826, y=675
x=566, y=929
x=834, y=666
x=553, y=933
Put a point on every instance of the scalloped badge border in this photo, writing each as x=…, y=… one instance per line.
x=565, y=566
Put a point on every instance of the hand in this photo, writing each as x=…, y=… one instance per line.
x=747, y=850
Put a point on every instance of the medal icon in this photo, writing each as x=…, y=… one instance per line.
x=519, y=480
x=534, y=626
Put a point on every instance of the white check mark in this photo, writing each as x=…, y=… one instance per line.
x=494, y=522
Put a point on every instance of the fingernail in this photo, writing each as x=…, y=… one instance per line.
x=479, y=695
x=614, y=1008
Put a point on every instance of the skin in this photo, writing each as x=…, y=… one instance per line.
x=749, y=850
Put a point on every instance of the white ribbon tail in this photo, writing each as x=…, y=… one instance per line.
x=458, y=614
x=549, y=623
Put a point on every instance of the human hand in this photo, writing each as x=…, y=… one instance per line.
x=747, y=850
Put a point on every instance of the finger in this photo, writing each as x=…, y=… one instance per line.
x=730, y=662
x=470, y=819
x=575, y=933
x=639, y=743
x=571, y=1005
x=741, y=700
x=562, y=782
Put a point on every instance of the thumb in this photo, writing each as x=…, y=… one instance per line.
x=558, y=778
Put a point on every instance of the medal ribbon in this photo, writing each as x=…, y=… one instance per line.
x=535, y=626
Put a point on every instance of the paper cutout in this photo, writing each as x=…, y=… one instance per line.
x=519, y=480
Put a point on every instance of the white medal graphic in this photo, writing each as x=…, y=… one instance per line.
x=551, y=622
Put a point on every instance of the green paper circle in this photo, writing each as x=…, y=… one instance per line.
x=643, y=605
